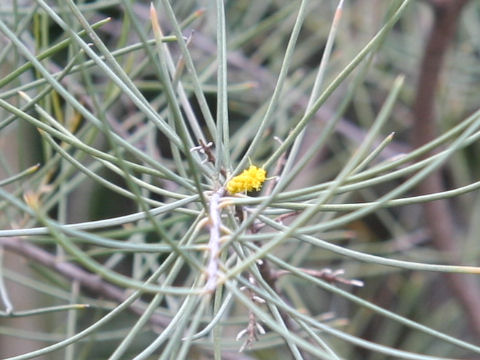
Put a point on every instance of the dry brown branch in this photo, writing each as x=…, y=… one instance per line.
x=437, y=213
x=86, y=280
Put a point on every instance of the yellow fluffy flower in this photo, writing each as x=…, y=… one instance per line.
x=250, y=179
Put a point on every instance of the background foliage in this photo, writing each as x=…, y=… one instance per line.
x=122, y=243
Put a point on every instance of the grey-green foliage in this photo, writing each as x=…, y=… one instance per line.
x=137, y=251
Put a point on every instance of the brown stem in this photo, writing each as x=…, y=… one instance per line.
x=87, y=280
x=270, y=277
x=91, y=282
x=437, y=213
x=445, y=20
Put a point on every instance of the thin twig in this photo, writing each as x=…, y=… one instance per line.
x=214, y=242
x=254, y=328
x=326, y=274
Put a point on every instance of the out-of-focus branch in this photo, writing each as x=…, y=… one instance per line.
x=87, y=280
x=92, y=282
x=443, y=29
x=437, y=214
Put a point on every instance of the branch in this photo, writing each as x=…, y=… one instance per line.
x=87, y=280
x=437, y=214
x=214, y=244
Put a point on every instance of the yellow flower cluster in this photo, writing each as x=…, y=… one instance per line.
x=250, y=179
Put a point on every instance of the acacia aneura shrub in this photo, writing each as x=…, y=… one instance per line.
x=146, y=231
